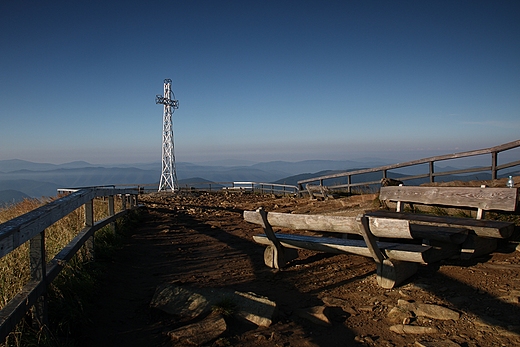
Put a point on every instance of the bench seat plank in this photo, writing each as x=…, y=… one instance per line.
x=379, y=227
x=481, y=227
x=395, y=251
x=338, y=224
x=403, y=229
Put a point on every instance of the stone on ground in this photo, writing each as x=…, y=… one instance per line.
x=181, y=302
x=443, y=343
x=197, y=334
x=338, y=302
x=429, y=310
x=315, y=314
x=187, y=303
x=399, y=314
x=254, y=308
x=412, y=329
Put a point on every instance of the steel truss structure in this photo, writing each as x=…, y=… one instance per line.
x=168, y=173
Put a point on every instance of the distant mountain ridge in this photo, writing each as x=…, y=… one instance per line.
x=31, y=188
x=17, y=164
x=43, y=179
x=11, y=196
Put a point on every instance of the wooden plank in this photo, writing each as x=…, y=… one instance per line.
x=19, y=230
x=370, y=240
x=23, y=228
x=274, y=256
x=439, y=233
x=390, y=227
x=481, y=227
x=405, y=252
x=476, y=246
x=443, y=250
x=403, y=229
x=306, y=221
x=379, y=227
x=268, y=230
x=38, y=271
x=392, y=273
x=503, y=199
x=16, y=309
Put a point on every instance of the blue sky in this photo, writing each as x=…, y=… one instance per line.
x=257, y=80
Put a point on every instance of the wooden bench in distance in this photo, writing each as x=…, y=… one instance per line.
x=483, y=233
x=395, y=261
x=318, y=191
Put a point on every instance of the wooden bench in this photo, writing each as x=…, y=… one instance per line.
x=318, y=191
x=483, y=233
x=397, y=241
x=395, y=260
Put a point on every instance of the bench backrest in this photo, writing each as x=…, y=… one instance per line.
x=482, y=198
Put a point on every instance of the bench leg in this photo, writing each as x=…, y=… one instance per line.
x=475, y=246
x=278, y=259
x=391, y=273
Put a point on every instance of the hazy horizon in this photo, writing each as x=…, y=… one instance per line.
x=507, y=156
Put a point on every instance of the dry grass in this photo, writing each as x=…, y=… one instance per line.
x=14, y=267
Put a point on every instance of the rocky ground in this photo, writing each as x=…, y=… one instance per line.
x=201, y=240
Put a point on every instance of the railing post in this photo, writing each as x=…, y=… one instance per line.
x=494, y=162
x=349, y=182
x=111, y=211
x=89, y=222
x=432, y=178
x=38, y=272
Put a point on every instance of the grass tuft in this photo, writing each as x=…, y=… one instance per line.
x=226, y=307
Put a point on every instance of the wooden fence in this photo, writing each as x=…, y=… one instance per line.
x=257, y=187
x=31, y=226
x=494, y=168
x=272, y=188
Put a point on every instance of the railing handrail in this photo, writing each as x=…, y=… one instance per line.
x=262, y=186
x=266, y=184
x=491, y=150
x=21, y=229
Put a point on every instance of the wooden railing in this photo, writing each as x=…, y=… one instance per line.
x=430, y=175
x=257, y=187
x=272, y=188
x=31, y=226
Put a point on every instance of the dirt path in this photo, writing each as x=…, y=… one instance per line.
x=202, y=240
